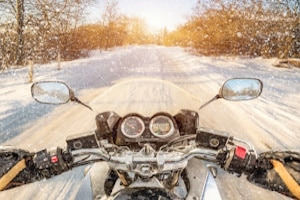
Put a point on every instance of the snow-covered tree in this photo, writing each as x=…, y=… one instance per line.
x=247, y=27
x=38, y=29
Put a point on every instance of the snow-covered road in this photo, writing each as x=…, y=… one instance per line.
x=270, y=122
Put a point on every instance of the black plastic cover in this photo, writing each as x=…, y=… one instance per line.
x=211, y=139
x=82, y=141
x=187, y=121
x=106, y=122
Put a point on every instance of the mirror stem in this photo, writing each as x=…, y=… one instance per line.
x=78, y=101
x=75, y=99
x=213, y=99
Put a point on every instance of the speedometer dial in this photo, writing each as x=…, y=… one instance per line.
x=161, y=126
x=132, y=127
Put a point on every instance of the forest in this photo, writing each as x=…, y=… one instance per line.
x=251, y=28
x=44, y=30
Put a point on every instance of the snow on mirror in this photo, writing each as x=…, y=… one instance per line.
x=50, y=92
x=241, y=89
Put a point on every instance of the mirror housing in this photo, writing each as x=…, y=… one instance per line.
x=51, y=92
x=239, y=89
x=54, y=92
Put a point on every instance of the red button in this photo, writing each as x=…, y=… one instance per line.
x=241, y=152
x=54, y=159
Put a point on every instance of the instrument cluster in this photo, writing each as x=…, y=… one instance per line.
x=157, y=128
x=134, y=129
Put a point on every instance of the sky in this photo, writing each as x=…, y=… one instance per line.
x=157, y=13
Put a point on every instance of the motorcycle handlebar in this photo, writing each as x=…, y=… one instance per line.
x=235, y=160
x=48, y=163
x=231, y=157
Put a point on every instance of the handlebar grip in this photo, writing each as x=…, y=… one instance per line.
x=11, y=174
x=16, y=167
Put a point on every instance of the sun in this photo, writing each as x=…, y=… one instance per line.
x=154, y=20
x=157, y=21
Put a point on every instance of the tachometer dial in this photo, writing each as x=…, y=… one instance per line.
x=132, y=127
x=161, y=126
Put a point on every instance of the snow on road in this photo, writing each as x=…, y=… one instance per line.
x=270, y=122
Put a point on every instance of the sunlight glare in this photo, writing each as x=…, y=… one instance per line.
x=158, y=21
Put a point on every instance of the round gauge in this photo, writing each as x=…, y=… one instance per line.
x=132, y=126
x=161, y=126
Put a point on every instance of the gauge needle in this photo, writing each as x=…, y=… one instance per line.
x=131, y=126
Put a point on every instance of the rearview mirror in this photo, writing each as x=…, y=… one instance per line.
x=51, y=92
x=241, y=89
